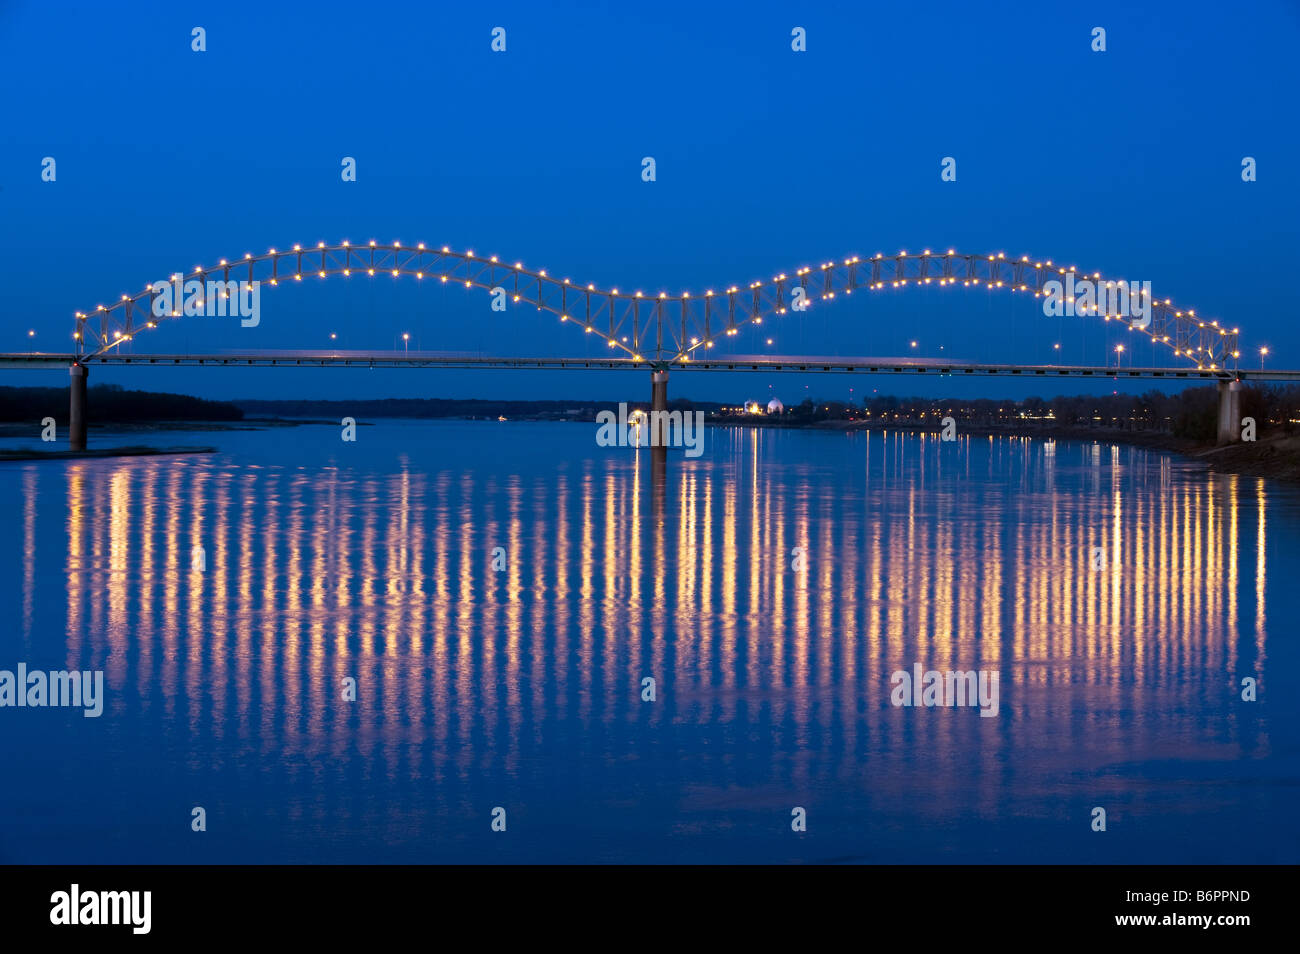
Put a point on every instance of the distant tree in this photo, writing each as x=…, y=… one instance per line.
x=1196, y=414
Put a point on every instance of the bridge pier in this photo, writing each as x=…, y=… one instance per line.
x=1229, y=412
x=77, y=375
x=659, y=403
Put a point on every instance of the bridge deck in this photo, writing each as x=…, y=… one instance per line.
x=819, y=364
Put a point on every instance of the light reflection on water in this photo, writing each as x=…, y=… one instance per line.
x=522, y=688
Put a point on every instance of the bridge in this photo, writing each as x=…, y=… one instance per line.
x=656, y=332
x=802, y=364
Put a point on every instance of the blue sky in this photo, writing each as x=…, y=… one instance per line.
x=1126, y=161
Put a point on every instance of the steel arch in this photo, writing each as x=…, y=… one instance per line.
x=662, y=329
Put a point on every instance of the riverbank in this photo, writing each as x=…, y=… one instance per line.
x=25, y=429
x=1272, y=455
x=135, y=450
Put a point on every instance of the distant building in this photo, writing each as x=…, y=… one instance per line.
x=753, y=407
x=775, y=407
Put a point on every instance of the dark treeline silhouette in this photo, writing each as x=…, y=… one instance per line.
x=1190, y=414
x=109, y=403
x=583, y=409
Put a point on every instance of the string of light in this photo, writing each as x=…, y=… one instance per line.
x=1203, y=342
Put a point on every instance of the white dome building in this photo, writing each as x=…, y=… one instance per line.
x=775, y=407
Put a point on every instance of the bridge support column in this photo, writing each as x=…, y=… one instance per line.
x=1229, y=412
x=658, y=424
x=659, y=403
x=77, y=375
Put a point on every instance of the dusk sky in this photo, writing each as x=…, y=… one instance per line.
x=1127, y=161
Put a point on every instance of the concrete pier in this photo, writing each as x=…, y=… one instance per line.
x=659, y=402
x=659, y=447
x=1229, y=412
x=77, y=375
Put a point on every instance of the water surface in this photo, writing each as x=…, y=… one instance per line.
x=522, y=687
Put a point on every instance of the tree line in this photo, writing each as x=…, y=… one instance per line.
x=110, y=402
x=1191, y=413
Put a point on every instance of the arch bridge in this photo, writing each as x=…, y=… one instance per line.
x=658, y=330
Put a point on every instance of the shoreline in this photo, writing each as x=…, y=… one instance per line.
x=135, y=450
x=1274, y=455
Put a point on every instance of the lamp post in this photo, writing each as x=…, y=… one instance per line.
x=1262, y=353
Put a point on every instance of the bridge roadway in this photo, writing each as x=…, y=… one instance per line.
x=798, y=364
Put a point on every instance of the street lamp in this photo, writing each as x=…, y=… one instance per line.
x=1262, y=353
x=406, y=342
x=1119, y=351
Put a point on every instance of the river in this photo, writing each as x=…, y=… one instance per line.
x=386, y=649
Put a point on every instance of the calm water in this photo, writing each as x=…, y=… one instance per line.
x=1119, y=687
